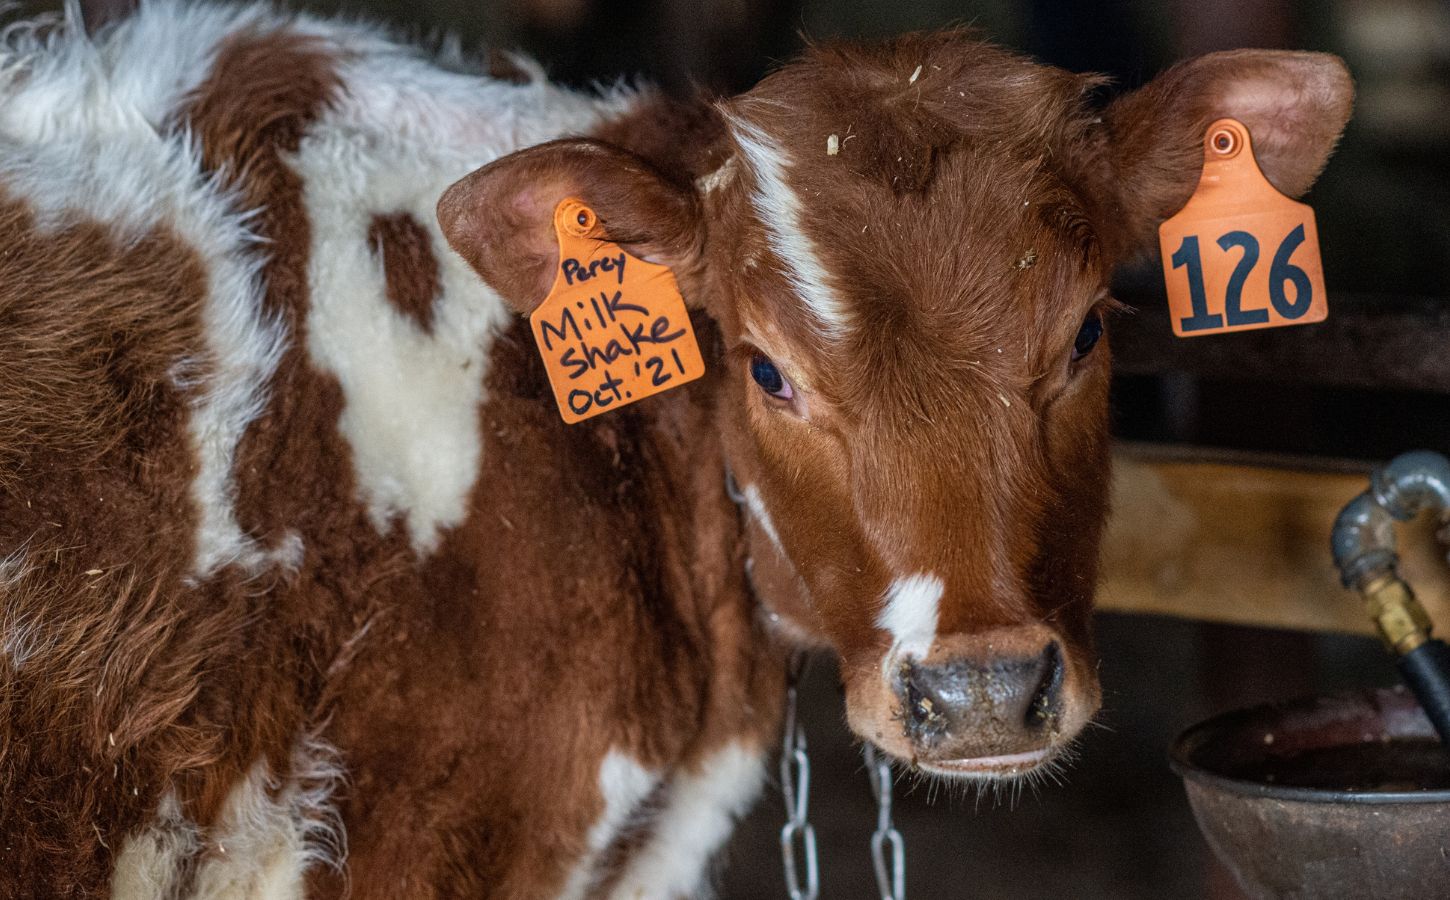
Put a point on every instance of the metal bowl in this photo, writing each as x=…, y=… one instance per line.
x=1346, y=795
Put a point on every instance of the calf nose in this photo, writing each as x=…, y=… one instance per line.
x=982, y=705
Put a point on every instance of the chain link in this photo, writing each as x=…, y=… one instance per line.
x=890, y=870
x=795, y=788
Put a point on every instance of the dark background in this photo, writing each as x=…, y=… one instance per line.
x=1369, y=383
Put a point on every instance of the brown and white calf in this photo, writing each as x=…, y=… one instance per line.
x=295, y=545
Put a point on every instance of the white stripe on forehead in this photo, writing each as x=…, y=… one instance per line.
x=779, y=210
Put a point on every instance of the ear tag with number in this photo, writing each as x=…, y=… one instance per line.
x=1240, y=255
x=614, y=328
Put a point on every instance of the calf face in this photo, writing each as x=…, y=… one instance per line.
x=906, y=250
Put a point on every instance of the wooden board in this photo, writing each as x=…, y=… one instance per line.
x=1230, y=541
x=1374, y=342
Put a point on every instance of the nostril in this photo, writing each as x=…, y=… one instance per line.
x=1043, y=709
x=922, y=708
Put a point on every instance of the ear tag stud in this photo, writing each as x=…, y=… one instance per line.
x=1240, y=255
x=614, y=328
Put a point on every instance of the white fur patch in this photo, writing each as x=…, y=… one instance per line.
x=81, y=136
x=151, y=862
x=261, y=847
x=400, y=134
x=624, y=784
x=909, y=612
x=779, y=210
x=701, y=810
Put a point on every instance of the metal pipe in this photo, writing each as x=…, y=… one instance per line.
x=1363, y=542
x=1413, y=482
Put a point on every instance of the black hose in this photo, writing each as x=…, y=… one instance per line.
x=1363, y=543
x=1426, y=669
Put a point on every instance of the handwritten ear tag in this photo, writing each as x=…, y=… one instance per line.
x=614, y=329
x=1240, y=255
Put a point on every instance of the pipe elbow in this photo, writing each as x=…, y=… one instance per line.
x=1411, y=483
x=1363, y=540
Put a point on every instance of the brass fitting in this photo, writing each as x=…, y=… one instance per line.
x=1402, y=622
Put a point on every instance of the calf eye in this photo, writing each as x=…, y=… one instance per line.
x=769, y=378
x=1087, y=335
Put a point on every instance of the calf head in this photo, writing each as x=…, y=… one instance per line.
x=907, y=250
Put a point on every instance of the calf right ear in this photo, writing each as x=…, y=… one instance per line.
x=1294, y=105
x=500, y=218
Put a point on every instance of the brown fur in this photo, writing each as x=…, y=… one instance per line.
x=110, y=705
x=409, y=268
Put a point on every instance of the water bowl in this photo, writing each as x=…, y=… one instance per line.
x=1344, y=795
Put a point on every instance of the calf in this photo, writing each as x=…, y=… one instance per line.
x=307, y=589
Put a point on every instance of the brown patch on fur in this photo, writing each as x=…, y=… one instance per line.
x=68, y=387
x=410, y=270
x=251, y=111
x=101, y=646
x=294, y=470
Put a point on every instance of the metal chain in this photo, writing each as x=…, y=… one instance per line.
x=890, y=871
x=795, y=788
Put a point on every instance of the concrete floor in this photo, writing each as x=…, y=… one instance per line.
x=1119, y=828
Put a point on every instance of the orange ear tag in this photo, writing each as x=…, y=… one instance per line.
x=1240, y=255
x=614, y=328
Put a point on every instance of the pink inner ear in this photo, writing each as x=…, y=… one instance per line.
x=1258, y=98
x=524, y=202
x=502, y=223
x=1294, y=105
x=531, y=205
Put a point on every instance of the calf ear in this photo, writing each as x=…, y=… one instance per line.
x=500, y=218
x=1294, y=105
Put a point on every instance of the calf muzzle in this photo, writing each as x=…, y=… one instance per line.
x=983, y=709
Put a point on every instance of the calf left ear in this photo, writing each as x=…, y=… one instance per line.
x=500, y=218
x=1294, y=105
